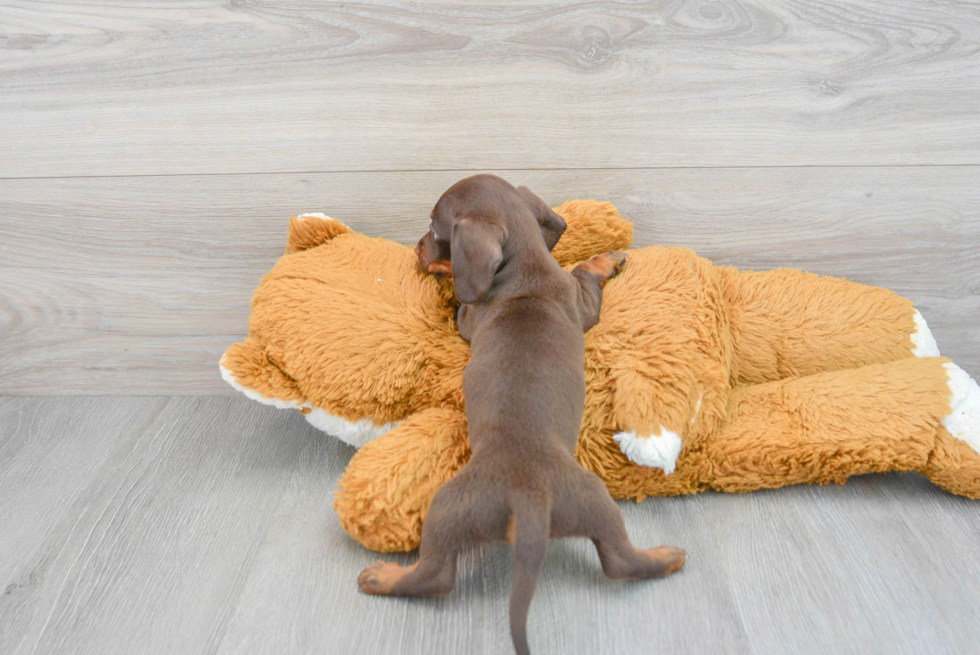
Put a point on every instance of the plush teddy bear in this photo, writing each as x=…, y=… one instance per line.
x=698, y=376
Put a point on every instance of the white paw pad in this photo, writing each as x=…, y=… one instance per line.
x=656, y=451
x=963, y=422
x=924, y=344
x=355, y=433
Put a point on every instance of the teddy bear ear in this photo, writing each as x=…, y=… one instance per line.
x=310, y=230
x=593, y=228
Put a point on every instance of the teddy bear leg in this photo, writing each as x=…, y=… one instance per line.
x=827, y=427
x=388, y=486
x=787, y=323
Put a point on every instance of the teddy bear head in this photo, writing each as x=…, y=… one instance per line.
x=347, y=329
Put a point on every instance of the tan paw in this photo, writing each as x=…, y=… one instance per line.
x=670, y=558
x=619, y=258
x=606, y=265
x=380, y=577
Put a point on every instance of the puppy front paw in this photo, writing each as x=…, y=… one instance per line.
x=620, y=259
x=606, y=265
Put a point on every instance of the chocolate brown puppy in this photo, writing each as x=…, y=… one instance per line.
x=524, y=317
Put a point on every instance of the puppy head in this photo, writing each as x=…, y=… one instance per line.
x=477, y=225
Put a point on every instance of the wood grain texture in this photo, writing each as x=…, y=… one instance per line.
x=144, y=545
x=888, y=560
x=105, y=88
x=163, y=525
x=308, y=566
x=137, y=285
x=48, y=451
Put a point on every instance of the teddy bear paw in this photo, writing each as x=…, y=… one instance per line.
x=924, y=344
x=963, y=422
x=655, y=450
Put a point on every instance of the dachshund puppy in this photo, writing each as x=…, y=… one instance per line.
x=524, y=317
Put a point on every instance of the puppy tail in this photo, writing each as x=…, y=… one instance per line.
x=532, y=528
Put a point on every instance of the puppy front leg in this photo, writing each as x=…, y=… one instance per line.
x=591, y=276
x=466, y=322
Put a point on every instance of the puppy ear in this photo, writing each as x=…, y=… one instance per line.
x=476, y=254
x=552, y=225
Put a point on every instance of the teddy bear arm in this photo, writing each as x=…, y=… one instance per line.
x=384, y=494
x=247, y=367
x=654, y=419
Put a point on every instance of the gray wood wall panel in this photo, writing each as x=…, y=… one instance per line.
x=103, y=88
x=204, y=526
x=136, y=285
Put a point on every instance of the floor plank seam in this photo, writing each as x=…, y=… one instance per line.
x=490, y=168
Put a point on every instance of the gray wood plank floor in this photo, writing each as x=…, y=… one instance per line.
x=203, y=525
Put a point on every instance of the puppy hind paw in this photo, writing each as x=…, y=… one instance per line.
x=644, y=564
x=667, y=560
x=378, y=579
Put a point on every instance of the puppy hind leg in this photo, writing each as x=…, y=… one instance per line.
x=456, y=519
x=621, y=560
x=586, y=509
